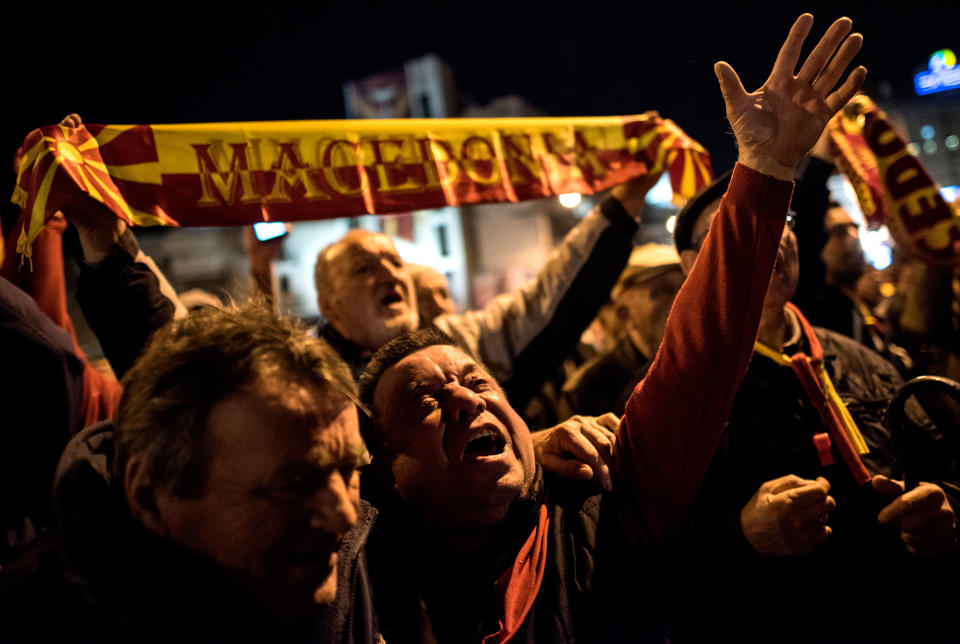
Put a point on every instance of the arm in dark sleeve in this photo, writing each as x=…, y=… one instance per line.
x=123, y=303
x=675, y=416
x=581, y=302
x=523, y=335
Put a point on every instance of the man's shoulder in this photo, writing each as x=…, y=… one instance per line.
x=571, y=494
x=857, y=369
x=611, y=367
x=582, y=506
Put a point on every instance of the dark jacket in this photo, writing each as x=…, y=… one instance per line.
x=599, y=582
x=723, y=591
x=116, y=581
x=605, y=383
x=122, y=299
x=42, y=387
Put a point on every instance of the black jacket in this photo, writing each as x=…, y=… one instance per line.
x=112, y=580
x=599, y=582
x=605, y=383
x=721, y=590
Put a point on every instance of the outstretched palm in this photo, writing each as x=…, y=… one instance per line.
x=780, y=122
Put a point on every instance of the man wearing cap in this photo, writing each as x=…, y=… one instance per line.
x=641, y=299
x=800, y=512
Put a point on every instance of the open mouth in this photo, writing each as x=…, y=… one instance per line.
x=391, y=298
x=486, y=443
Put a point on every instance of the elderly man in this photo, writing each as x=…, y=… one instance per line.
x=214, y=507
x=786, y=518
x=641, y=301
x=472, y=542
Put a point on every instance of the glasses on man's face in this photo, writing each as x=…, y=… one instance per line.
x=843, y=229
x=791, y=221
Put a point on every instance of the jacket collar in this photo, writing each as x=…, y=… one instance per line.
x=352, y=353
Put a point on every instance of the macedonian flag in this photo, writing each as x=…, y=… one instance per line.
x=225, y=174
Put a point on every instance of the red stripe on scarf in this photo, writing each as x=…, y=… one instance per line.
x=803, y=366
x=519, y=585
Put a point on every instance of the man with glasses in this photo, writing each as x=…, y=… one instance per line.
x=800, y=511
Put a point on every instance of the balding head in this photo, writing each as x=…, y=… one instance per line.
x=364, y=289
x=433, y=293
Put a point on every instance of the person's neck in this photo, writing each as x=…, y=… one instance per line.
x=773, y=326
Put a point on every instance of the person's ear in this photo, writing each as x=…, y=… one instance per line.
x=325, y=301
x=139, y=493
x=687, y=258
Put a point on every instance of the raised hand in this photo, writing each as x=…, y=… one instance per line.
x=632, y=194
x=776, y=125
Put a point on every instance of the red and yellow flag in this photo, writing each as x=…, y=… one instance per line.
x=223, y=174
x=892, y=185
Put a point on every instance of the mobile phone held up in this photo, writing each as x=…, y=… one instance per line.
x=269, y=230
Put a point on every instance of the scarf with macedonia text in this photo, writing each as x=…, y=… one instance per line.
x=225, y=174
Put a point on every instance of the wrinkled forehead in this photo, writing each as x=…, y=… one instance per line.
x=361, y=245
x=314, y=402
x=270, y=419
x=437, y=362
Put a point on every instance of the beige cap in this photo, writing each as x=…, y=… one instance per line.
x=646, y=262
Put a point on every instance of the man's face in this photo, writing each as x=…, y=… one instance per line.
x=281, y=492
x=646, y=306
x=371, y=298
x=786, y=270
x=433, y=295
x=463, y=453
x=842, y=253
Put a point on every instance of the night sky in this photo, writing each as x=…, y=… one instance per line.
x=220, y=61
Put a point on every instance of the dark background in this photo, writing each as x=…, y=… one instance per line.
x=221, y=61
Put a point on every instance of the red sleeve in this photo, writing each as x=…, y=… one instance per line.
x=675, y=416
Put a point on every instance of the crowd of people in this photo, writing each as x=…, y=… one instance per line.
x=719, y=469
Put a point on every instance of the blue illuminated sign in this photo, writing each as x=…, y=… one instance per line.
x=944, y=74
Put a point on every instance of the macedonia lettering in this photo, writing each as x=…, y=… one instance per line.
x=241, y=173
x=892, y=185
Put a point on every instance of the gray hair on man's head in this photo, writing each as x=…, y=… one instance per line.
x=194, y=363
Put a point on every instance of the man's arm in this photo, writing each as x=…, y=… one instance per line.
x=124, y=303
x=121, y=291
x=674, y=418
x=522, y=335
